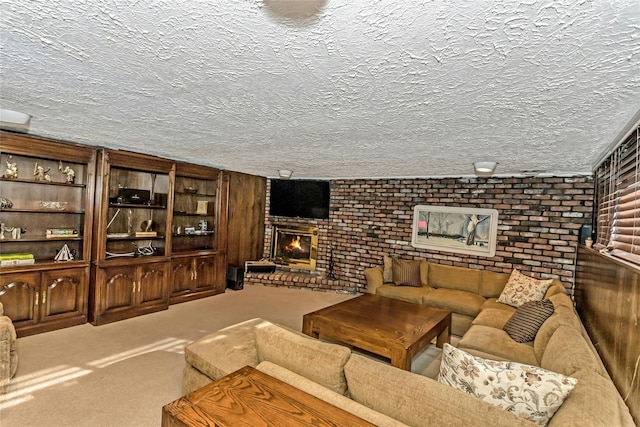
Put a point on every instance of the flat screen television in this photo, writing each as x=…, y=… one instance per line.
x=298, y=198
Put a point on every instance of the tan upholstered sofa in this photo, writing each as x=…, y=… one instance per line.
x=374, y=391
x=8, y=353
x=387, y=396
x=462, y=291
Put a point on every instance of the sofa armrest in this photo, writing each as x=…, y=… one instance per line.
x=8, y=355
x=374, y=279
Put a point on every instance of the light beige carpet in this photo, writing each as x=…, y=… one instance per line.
x=121, y=374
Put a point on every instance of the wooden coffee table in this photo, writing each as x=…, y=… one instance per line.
x=248, y=397
x=388, y=327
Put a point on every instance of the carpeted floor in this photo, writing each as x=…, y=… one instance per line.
x=121, y=374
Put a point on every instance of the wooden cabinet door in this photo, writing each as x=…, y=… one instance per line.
x=182, y=274
x=64, y=294
x=118, y=289
x=205, y=273
x=152, y=284
x=20, y=297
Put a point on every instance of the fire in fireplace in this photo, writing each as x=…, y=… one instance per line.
x=295, y=246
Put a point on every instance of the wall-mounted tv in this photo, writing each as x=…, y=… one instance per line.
x=299, y=198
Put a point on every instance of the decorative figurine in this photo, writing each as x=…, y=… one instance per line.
x=5, y=203
x=64, y=254
x=41, y=173
x=12, y=169
x=70, y=173
x=16, y=232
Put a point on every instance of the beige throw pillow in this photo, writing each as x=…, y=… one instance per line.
x=387, y=271
x=520, y=289
x=406, y=272
x=527, y=391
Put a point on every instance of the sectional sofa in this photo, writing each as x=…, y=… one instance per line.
x=8, y=353
x=387, y=396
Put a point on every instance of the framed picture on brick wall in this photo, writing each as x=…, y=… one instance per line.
x=453, y=229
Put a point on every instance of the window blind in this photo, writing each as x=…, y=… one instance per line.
x=618, y=200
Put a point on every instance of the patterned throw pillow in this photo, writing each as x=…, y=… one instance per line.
x=527, y=391
x=520, y=289
x=387, y=271
x=406, y=272
x=527, y=319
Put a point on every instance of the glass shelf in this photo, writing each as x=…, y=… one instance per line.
x=31, y=181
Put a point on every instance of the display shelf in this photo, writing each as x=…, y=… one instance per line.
x=42, y=239
x=44, y=211
x=120, y=238
x=179, y=213
x=135, y=206
x=31, y=181
x=38, y=172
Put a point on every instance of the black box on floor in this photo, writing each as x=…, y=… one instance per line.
x=235, y=277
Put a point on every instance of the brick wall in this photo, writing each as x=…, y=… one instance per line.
x=538, y=225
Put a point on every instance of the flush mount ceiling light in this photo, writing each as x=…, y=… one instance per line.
x=298, y=11
x=284, y=173
x=14, y=120
x=484, y=168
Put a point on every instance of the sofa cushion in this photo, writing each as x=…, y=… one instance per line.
x=561, y=300
x=493, y=303
x=417, y=400
x=528, y=391
x=525, y=322
x=404, y=293
x=520, y=289
x=556, y=288
x=492, y=283
x=456, y=301
x=496, y=341
x=322, y=393
x=567, y=352
x=561, y=316
x=319, y=361
x=406, y=272
x=494, y=317
x=593, y=402
x=463, y=279
x=227, y=350
x=460, y=323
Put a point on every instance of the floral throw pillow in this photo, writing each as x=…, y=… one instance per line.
x=527, y=391
x=520, y=289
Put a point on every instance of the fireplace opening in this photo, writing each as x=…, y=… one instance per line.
x=295, y=246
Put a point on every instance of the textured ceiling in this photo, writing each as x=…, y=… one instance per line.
x=348, y=88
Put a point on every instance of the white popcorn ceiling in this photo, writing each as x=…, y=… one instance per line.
x=361, y=88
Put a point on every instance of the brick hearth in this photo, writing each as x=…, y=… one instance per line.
x=297, y=280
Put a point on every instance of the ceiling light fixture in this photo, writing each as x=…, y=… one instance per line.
x=284, y=173
x=14, y=120
x=484, y=168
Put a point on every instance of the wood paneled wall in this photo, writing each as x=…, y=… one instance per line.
x=245, y=226
x=607, y=293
